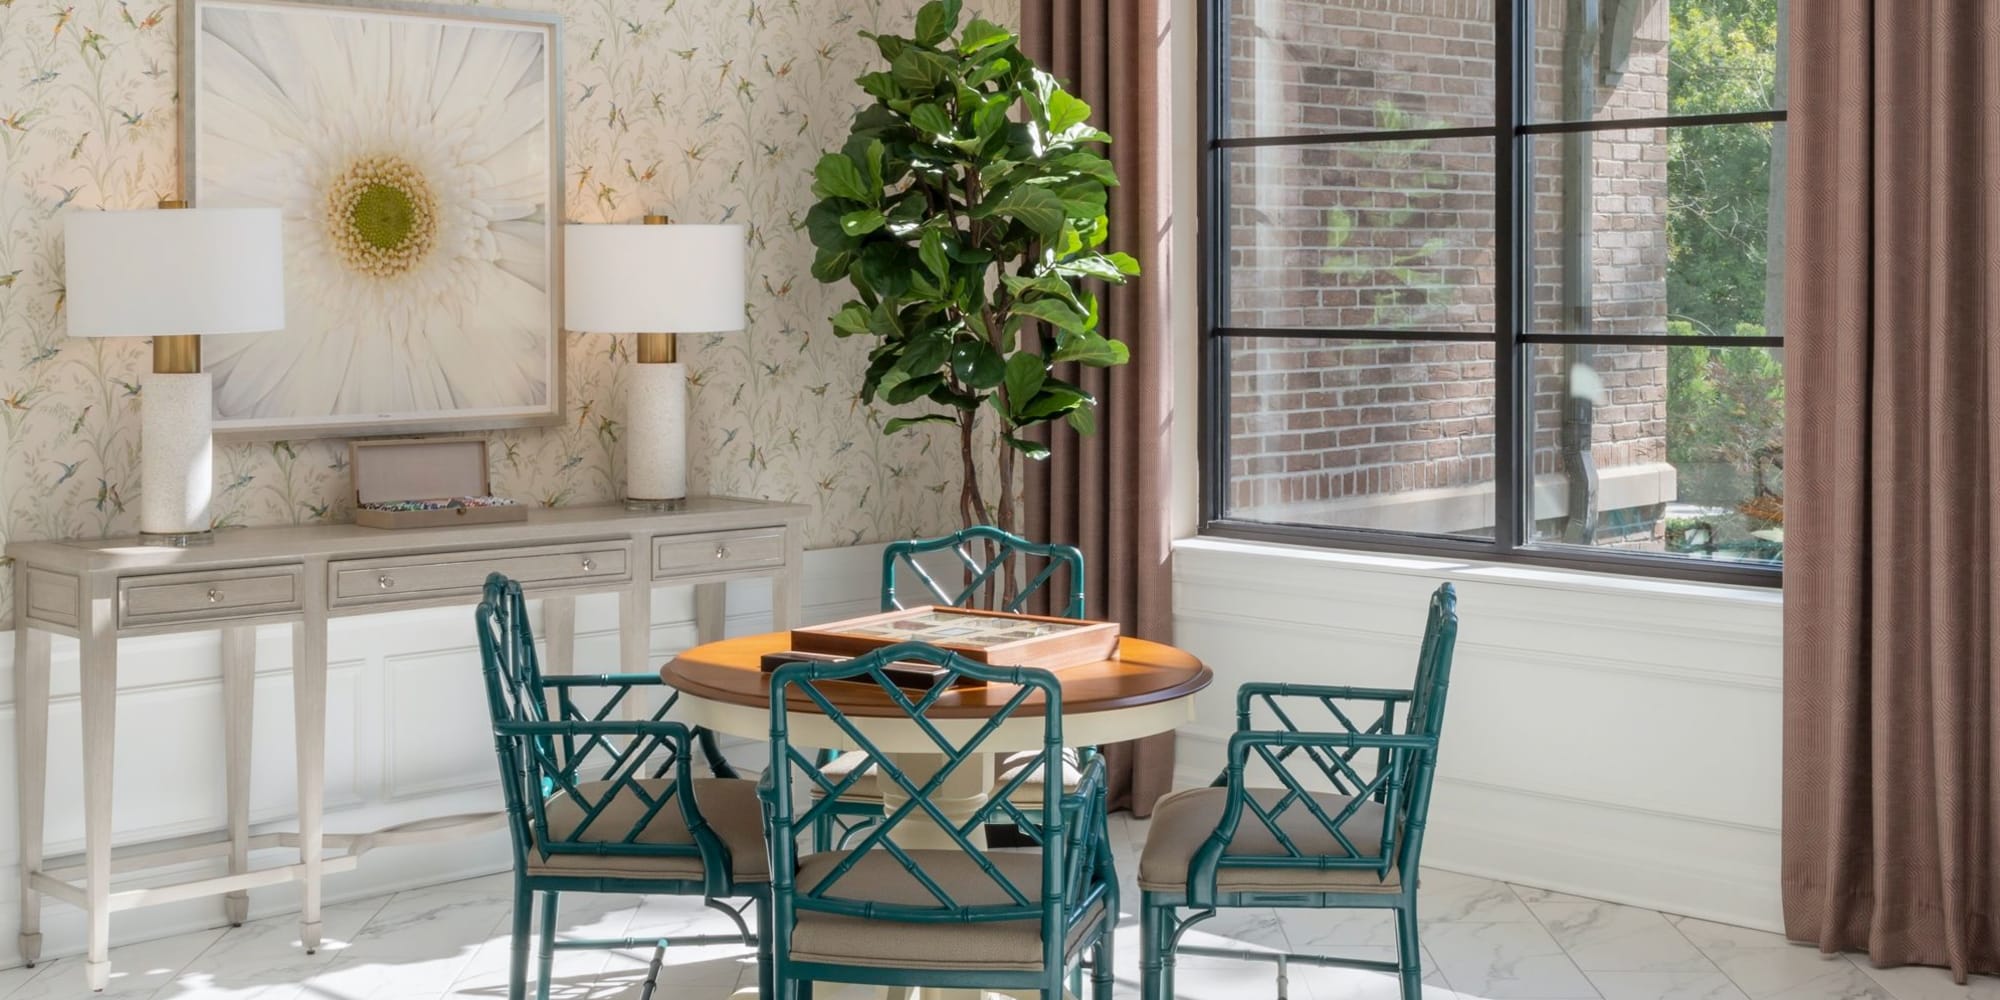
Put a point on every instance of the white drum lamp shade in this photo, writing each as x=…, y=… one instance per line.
x=655, y=279
x=174, y=273
x=196, y=270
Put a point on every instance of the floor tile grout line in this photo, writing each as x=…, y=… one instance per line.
x=1564, y=949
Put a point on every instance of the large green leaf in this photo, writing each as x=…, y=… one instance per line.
x=932, y=119
x=911, y=390
x=1054, y=400
x=977, y=364
x=1056, y=313
x=1086, y=164
x=922, y=71
x=863, y=222
x=1036, y=208
x=880, y=86
x=924, y=353
x=981, y=34
x=933, y=253
x=839, y=177
x=1035, y=450
x=937, y=20
x=1091, y=349
x=1066, y=111
x=1025, y=374
x=1083, y=419
x=899, y=423
x=851, y=319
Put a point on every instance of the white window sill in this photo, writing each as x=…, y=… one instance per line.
x=1201, y=553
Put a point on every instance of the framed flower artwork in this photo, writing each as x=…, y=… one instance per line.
x=416, y=155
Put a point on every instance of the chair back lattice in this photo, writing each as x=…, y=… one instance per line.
x=1073, y=871
x=1385, y=774
x=1037, y=561
x=579, y=779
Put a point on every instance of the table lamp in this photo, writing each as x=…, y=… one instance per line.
x=656, y=280
x=174, y=276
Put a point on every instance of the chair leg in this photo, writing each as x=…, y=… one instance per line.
x=546, y=962
x=823, y=833
x=517, y=963
x=766, y=985
x=1102, y=972
x=1409, y=953
x=1152, y=917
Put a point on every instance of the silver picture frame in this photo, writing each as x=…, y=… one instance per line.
x=550, y=409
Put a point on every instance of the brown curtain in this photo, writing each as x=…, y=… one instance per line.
x=1109, y=493
x=1892, y=798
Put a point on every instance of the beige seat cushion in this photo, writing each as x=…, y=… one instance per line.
x=1009, y=945
x=1028, y=794
x=1183, y=821
x=729, y=804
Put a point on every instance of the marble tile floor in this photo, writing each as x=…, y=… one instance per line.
x=1483, y=940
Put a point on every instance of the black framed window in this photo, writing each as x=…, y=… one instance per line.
x=1497, y=277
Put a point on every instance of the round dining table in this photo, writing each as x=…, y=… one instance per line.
x=1145, y=688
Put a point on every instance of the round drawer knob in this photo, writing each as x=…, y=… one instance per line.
x=386, y=582
x=214, y=596
x=589, y=565
x=722, y=552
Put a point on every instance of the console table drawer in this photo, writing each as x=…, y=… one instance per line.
x=369, y=581
x=716, y=552
x=190, y=597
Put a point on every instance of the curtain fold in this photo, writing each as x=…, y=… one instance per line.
x=1110, y=493
x=1891, y=791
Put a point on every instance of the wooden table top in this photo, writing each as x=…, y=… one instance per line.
x=1143, y=673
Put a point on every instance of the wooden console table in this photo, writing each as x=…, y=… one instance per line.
x=102, y=591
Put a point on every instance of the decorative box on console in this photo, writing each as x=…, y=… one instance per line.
x=420, y=483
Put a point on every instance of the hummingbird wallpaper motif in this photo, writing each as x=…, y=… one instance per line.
x=705, y=110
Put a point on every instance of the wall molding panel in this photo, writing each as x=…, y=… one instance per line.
x=406, y=740
x=1611, y=737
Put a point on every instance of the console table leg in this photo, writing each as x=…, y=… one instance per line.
x=31, y=762
x=788, y=586
x=98, y=658
x=635, y=641
x=309, y=714
x=239, y=701
x=559, y=626
x=711, y=611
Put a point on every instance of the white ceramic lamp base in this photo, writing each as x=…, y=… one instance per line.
x=177, y=458
x=656, y=436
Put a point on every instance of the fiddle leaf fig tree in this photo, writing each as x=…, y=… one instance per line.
x=967, y=209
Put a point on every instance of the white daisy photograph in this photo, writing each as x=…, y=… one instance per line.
x=415, y=154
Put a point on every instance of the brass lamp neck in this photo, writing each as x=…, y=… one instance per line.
x=656, y=349
x=177, y=354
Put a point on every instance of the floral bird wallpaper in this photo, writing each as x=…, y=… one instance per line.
x=705, y=110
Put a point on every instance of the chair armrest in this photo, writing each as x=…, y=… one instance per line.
x=601, y=680
x=1389, y=696
x=1399, y=751
x=629, y=764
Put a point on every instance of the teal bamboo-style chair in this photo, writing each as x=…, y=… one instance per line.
x=1356, y=845
x=1043, y=565
x=600, y=804
x=963, y=916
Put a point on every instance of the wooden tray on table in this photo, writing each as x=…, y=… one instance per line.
x=996, y=638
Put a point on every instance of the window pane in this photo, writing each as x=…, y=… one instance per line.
x=1647, y=231
x=1365, y=236
x=1315, y=66
x=1660, y=449
x=1649, y=58
x=1390, y=435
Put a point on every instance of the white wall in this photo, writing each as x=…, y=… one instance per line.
x=407, y=737
x=1613, y=737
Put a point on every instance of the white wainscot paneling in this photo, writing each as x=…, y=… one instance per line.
x=407, y=738
x=1612, y=737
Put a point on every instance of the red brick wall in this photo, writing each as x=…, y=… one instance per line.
x=1399, y=236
